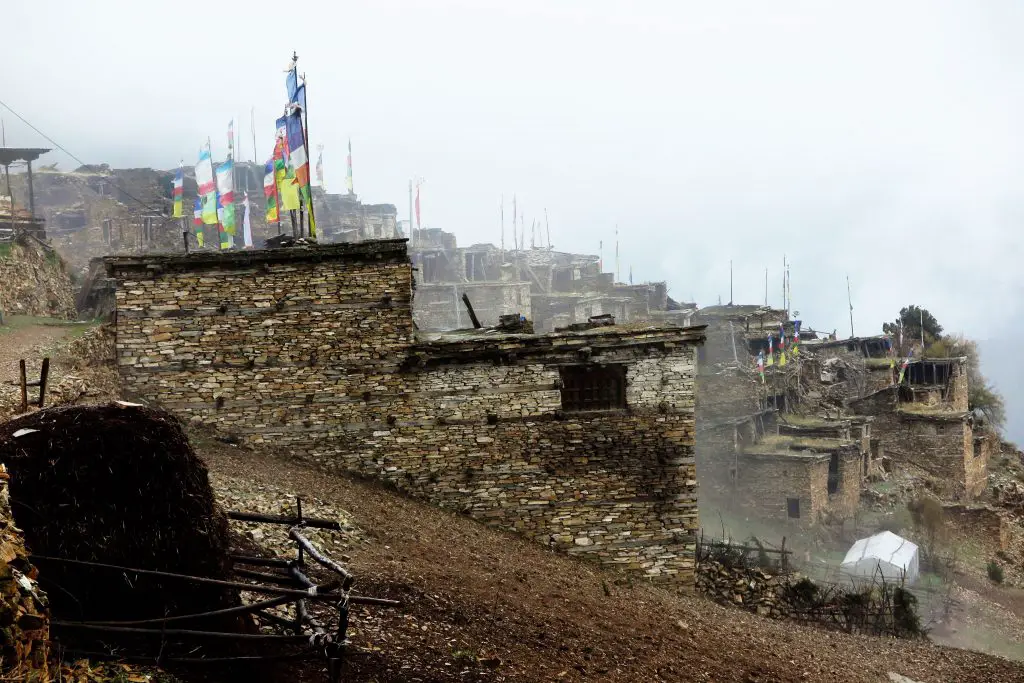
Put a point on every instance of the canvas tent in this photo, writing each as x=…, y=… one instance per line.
x=886, y=554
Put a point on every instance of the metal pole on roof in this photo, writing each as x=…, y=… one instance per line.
x=849, y=299
x=730, y=283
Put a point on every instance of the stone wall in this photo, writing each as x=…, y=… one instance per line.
x=940, y=444
x=311, y=351
x=766, y=481
x=843, y=503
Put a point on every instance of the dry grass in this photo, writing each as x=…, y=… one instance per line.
x=924, y=409
x=877, y=363
x=782, y=444
x=806, y=420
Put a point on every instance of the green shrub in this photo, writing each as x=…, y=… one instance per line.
x=995, y=572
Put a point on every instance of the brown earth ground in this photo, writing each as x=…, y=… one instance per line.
x=484, y=605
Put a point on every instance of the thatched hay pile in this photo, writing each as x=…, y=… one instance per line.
x=119, y=485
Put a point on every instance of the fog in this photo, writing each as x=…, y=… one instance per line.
x=878, y=140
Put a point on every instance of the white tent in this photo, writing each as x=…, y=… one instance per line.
x=883, y=555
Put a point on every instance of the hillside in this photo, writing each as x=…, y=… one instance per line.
x=34, y=281
x=482, y=605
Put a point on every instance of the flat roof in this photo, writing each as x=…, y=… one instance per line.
x=8, y=155
x=493, y=344
x=204, y=260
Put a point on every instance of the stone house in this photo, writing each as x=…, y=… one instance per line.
x=802, y=481
x=936, y=382
x=935, y=439
x=803, y=474
x=580, y=440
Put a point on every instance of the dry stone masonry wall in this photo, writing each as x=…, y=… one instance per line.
x=312, y=351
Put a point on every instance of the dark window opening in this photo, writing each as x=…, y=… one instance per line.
x=924, y=372
x=875, y=349
x=776, y=401
x=756, y=345
x=833, y=474
x=906, y=394
x=793, y=508
x=593, y=387
x=851, y=346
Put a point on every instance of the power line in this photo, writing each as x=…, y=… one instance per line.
x=63, y=149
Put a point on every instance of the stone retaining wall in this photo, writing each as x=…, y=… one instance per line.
x=312, y=352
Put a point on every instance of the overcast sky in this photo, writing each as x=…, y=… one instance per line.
x=876, y=139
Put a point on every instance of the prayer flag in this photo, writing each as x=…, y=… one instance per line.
x=207, y=186
x=771, y=350
x=760, y=364
x=348, y=178
x=178, y=194
x=297, y=156
x=782, y=345
x=226, y=192
x=796, y=337
x=903, y=366
x=197, y=220
x=419, y=225
x=288, y=189
x=246, y=225
x=270, y=192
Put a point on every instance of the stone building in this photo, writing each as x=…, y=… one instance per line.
x=554, y=289
x=799, y=473
x=344, y=218
x=581, y=440
x=936, y=382
x=935, y=439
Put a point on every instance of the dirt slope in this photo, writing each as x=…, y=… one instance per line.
x=483, y=605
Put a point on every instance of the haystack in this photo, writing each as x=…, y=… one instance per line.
x=118, y=485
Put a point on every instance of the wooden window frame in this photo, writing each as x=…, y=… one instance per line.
x=587, y=388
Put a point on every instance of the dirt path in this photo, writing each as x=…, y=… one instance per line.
x=482, y=605
x=24, y=342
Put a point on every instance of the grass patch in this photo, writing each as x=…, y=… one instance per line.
x=5, y=249
x=784, y=444
x=806, y=420
x=923, y=409
x=20, y=322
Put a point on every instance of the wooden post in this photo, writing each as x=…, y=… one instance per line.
x=472, y=313
x=24, y=387
x=43, y=376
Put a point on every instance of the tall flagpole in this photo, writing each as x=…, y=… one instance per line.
x=849, y=299
x=252, y=125
x=547, y=227
x=216, y=196
x=311, y=227
x=616, y=253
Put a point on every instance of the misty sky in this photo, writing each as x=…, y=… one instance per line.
x=877, y=139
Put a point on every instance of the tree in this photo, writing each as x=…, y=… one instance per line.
x=909, y=322
x=981, y=395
